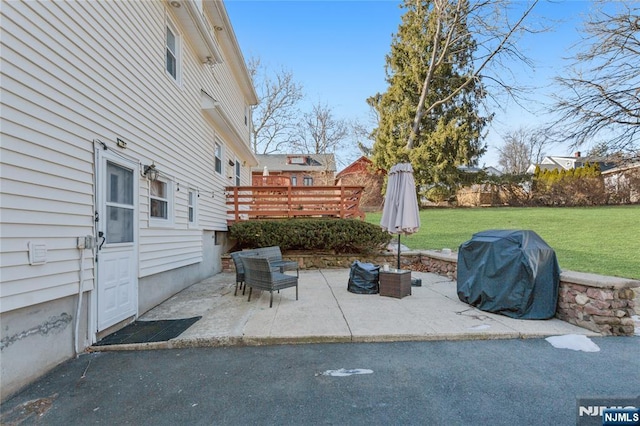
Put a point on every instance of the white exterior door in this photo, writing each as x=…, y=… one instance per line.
x=117, y=282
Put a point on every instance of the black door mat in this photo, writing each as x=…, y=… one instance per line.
x=148, y=331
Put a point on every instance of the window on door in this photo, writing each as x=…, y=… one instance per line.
x=120, y=208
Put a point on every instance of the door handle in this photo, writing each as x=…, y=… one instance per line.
x=101, y=235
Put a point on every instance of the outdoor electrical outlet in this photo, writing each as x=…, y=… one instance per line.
x=86, y=242
x=89, y=242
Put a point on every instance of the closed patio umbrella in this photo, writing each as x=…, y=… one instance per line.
x=400, y=214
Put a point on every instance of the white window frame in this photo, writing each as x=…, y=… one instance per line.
x=192, y=207
x=217, y=157
x=307, y=181
x=169, y=26
x=237, y=172
x=294, y=180
x=155, y=221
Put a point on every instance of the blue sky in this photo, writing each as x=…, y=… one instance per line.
x=336, y=50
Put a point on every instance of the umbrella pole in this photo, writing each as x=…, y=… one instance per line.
x=398, y=251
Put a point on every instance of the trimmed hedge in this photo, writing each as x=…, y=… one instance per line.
x=338, y=235
x=583, y=186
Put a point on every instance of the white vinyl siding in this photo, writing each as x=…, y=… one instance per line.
x=36, y=208
x=75, y=72
x=178, y=248
x=231, y=98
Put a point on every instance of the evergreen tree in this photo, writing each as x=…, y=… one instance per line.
x=569, y=174
x=444, y=53
x=448, y=135
x=579, y=172
x=536, y=173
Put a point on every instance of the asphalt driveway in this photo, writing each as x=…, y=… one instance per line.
x=498, y=382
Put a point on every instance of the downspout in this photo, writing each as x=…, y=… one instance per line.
x=90, y=239
x=79, y=308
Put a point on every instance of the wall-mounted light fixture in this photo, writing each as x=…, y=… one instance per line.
x=151, y=172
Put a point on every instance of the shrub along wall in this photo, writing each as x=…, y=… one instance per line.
x=595, y=302
x=336, y=235
x=583, y=186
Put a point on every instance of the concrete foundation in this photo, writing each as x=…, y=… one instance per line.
x=155, y=289
x=36, y=339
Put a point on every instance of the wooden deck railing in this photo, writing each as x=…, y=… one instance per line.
x=270, y=202
x=271, y=180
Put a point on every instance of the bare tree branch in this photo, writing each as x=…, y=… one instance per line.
x=450, y=17
x=320, y=132
x=274, y=118
x=602, y=85
x=521, y=148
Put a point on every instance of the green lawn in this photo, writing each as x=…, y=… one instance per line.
x=602, y=240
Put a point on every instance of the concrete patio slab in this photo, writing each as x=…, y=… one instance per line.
x=327, y=312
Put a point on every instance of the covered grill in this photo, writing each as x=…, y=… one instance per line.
x=509, y=272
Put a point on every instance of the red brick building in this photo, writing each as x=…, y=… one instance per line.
x=362, y=172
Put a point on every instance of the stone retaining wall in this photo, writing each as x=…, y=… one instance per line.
x=599, y=303
x=425, y=261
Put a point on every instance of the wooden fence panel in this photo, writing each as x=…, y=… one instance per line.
x=265, y=202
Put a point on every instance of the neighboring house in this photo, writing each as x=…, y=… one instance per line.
x=479, y=194
x=568, y=163
x=294, y=169
x=489, y=170
x=99, y=98
x=623, y=183
x=362, y=173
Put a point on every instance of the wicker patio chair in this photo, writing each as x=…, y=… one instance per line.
x=274, y=254
x=235, y=256
x=259, y=273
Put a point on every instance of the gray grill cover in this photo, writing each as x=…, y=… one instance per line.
x=509, y=272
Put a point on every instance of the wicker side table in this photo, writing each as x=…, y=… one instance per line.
x=395, y=283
